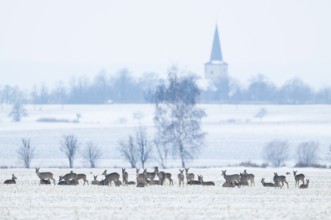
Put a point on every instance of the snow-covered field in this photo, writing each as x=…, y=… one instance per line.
x=234, y=134
x=28, y=200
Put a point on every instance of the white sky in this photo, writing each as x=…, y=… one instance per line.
x=44, y=41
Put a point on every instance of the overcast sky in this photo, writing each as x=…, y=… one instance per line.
x=45, y=41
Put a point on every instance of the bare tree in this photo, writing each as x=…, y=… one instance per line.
x=91, y=154
x=128, y=150
x=276, y=152
x=307, y=152
x=69, y=146
x=26, y=153
x=177, y=118
x=143, y=146
x=17, y=112
x=162, y=152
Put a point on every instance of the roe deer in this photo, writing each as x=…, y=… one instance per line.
x=280, y=179
x=228, y=184
x=231, y=178
x=69, y=176
x=125, y=176
x=304, y=186
x=130, y=183
x=44, y=182
x=163, y=176
x=12, y=180
x=118, y=182
x=194, y=182
x=44, y=175
x=209, y=183
x=298, y=177
x=95, y=181
x=267, y=184
x=153, y=182
x=243, y=180
x=111, y=177
x=141, y=180
x=103, y=182
x=181, y=177
x=151, y=175
x=249, y=177
x=82, y=176
x=189, y=176
x=73, y=181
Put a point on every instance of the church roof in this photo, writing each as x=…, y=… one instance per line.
x=216, y=52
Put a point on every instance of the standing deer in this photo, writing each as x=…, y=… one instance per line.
x=151, y=175
x=82, y=176
x=304, y=186
x=267, y=184
x=12, y=180
x=280, y=179
x=189, y=176
x=298, y=177
x=163, y=176
x=234, y=178
x=181, y=177
x=209, y=183
x=111, y=177
x=249, y=177
x=95, y=181
x=125, y=176
x=44, y=175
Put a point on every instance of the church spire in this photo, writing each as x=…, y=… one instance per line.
x=216, y=52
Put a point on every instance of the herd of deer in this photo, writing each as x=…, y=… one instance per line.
x=148, y=178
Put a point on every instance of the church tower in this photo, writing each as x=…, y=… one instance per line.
x=216, y=69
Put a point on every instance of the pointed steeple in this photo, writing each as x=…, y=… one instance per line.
x=216, y=52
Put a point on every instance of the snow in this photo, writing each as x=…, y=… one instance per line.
x=28, y=200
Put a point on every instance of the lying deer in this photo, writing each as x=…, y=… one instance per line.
x=194, y=182
x=72, y=182
x=209, y=183
x=229, y=184
x=12, y=180
x=95, y=181
x=304, y=186
x=267, y=184
x=44, y=182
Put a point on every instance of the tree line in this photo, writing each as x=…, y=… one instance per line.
x=123, y=87
x=177, y=123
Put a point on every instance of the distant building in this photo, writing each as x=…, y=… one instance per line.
x=216, y=69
